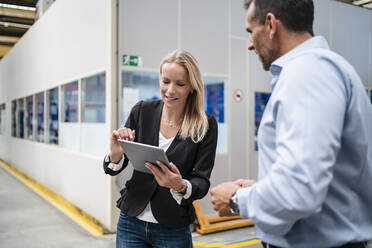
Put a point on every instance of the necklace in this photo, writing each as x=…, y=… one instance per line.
x=171, y=123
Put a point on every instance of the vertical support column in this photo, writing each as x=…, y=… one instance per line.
x=111, y=98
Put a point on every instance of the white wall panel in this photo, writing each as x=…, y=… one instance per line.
x=351, y=28
x=68, y=40
x=77, y=177
x=238, y=18
x=238, y=151
x=204, y=33
x=147, y=29
x=69, y=135
x=219, y=175
x=93, y=139
x=321, y=18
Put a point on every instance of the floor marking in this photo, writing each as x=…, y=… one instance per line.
x=85, y=220
x=234, y=245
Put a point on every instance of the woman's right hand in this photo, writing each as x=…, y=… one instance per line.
x=116, y=151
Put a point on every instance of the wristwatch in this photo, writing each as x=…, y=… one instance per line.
x=234, y=207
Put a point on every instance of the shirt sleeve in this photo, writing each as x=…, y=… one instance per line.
x=178, y=196
x=113, y=166
x=306, y=112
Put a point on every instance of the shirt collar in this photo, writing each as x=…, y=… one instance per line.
x=277, y=66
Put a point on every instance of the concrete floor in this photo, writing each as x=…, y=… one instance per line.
x=27, y=220
x=235, y=238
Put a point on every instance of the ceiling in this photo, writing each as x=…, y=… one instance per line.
x=17, y=16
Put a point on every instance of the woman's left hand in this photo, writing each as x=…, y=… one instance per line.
x=170, y=178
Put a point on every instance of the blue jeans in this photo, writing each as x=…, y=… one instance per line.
x=132, y=232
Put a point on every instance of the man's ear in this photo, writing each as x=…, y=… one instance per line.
x=272, y=24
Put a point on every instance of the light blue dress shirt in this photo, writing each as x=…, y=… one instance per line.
x=315, y=153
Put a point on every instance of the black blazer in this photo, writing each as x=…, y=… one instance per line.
x=194, y=160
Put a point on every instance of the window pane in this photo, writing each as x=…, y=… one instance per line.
x=93, y=98
x=214, y=104
x=14, y=118
x=69, y=127
x=39, y=98
x=2, y=118
x=137, y=86
x=52, y=98
x=260, y=99
x=70, y=102
x=29, y=117
x=21, y=117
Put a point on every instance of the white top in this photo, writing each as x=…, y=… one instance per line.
x=146, y=214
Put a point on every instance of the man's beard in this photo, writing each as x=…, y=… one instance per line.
x=267, y=59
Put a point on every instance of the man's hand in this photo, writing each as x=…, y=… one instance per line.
x=221, y=195
x=243, y=183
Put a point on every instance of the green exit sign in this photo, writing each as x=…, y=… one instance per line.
x=131, y=60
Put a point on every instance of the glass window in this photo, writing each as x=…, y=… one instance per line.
x=370, y=95
x=52, y=100
x=70, y=102
x=2, y=118
x=29, y=117
x=93, y=100
x=261, y=99
x=21, y=118
x=214, y=104
x=69, y=127
x=14, y=118
x=137, y=86
x=39, y=101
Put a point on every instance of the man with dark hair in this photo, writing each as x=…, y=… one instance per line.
x=296, y=16
x=315, y=139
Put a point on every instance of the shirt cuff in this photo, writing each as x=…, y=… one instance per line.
x=178, y=196
x=113, y=166
x=243, y=195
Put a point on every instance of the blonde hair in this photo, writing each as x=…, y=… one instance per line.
x=195, y=121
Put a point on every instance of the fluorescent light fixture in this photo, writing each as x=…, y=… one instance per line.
x=17, y=7
x=11, y=24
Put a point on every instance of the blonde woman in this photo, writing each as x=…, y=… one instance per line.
x=156, y=209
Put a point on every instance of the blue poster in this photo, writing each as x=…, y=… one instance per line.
x=215, y=101
x=261, y=99
x=370, y=95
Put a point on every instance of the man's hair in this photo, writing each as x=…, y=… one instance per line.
x=296, y=15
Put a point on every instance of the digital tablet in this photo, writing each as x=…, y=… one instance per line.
x=138, y=154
